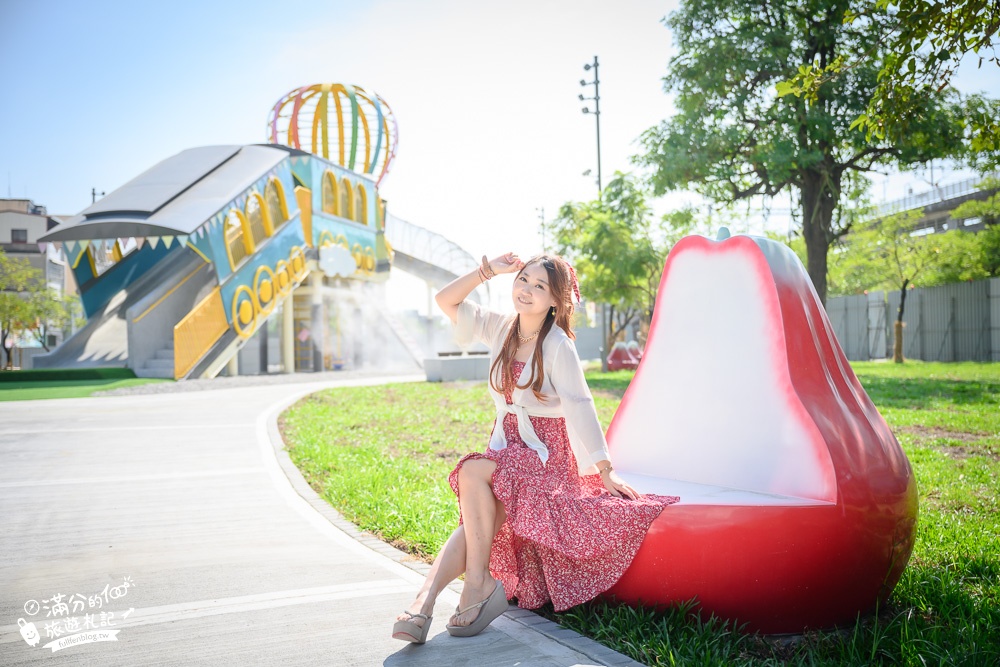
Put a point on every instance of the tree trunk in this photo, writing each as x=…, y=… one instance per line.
x=6, y=350
x=897, y=343
x=609, y=320
x=820, y=193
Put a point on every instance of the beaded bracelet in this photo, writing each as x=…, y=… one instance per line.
x=487, y=269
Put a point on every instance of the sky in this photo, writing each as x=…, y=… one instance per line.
x=485, y=93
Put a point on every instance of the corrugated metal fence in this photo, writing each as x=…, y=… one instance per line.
x=959, y=322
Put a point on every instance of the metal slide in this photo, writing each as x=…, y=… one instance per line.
x=103, y=341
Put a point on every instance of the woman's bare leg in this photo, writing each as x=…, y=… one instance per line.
x=480, y=516
x=450, y=563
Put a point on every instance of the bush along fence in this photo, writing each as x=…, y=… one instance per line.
x=958, y=322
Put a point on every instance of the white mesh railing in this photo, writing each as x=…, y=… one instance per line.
x=439, y=256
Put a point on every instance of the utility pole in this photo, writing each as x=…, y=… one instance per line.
x=541, y=216
x=597, y=113
x=93, y=195
x=605, y=325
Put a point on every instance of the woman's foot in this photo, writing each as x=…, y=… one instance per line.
x=421, y=605
x=488, y=610
x=471, y=594
x=414, y=624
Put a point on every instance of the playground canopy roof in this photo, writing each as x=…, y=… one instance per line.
x=174, y=197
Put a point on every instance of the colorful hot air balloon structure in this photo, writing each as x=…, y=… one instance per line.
x=343, y=123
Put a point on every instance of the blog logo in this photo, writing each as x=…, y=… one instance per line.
x=72, y=620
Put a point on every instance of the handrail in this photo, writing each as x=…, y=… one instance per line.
x=938, y=194
x=198, y=331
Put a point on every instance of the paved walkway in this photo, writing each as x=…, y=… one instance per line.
x=177, y=521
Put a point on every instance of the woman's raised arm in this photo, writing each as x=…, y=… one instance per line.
x=455, y=292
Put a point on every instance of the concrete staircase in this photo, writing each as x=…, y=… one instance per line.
x=402, y=333
x=160, y=366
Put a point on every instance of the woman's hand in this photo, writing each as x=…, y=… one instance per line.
x=617, y=486
x=507, y=263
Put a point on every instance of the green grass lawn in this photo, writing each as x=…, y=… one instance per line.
x=381, y=456
x=27, y=391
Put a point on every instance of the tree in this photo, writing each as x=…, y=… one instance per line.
x=27, y=305
x=51, y=311
x=924, y=42
x=617, y=258
x=17, y=277
x=888, y=253
x=733, y=137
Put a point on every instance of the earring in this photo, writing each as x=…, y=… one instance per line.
x=553, y=311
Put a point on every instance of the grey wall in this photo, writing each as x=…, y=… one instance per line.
x=959, y=322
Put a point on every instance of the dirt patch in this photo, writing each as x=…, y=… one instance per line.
x=934, y=432
x=927, y=437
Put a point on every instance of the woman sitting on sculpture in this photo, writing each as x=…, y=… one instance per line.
x=543, y=514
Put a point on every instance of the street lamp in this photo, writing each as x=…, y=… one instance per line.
x=597, y=113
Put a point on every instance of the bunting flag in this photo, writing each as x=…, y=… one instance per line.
x=70, y=248
x=153, y=241
x=168, y=241
x=183, y=240
x=139, y=240
x=41, y=247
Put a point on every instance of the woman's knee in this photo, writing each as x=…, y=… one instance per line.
x=477, y=470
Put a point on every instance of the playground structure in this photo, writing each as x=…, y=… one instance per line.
x=281, y=247
x=798, y=506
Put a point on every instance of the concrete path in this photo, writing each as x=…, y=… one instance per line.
x=174, y=525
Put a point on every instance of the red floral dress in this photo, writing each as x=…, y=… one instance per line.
x=566, y=537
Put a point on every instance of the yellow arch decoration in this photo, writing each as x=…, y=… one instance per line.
x=361, y=204
x=274, y=193
x=331, y=193
x=244, y=236
x=266, y=229
x=347, y=200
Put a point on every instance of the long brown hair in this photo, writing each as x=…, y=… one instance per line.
x=561, y=287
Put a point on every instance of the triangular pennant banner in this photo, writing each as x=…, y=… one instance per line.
x=41, y=247
x=70, y=247
x=168, y=241
x=183, y=240
x=153, y=241
x=139, y=242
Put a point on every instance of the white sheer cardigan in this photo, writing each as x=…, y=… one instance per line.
x=564, y=387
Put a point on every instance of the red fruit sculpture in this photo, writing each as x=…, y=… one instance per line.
x=798, y=507
x=621, y=358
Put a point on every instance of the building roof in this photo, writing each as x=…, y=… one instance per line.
x=174, y=197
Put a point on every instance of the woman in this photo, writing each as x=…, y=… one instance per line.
x=543, y=515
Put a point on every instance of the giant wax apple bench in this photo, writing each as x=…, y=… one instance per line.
x=798, y=507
